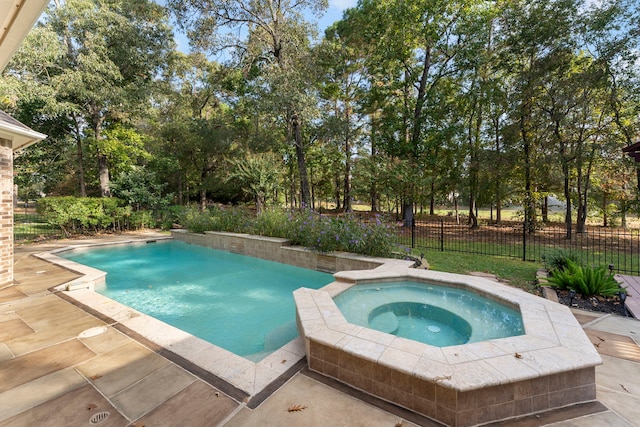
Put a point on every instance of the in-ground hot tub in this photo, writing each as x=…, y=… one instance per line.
x=550, y=365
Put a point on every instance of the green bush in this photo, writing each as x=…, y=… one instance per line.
x=325, y=234
x=81, y=214
x=587, y=281
x=196, y=221
x=302, y=227
x=559, y=259
x=235, y=220
x=271, y=223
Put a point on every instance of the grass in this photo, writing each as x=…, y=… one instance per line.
x=518, y=273
x=29, y=227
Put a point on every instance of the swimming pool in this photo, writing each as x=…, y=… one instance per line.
x=239, y=303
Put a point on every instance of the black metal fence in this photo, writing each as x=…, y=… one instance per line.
x=28, y=226
x=596, y=246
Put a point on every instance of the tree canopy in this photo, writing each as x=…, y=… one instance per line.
x=399, y=105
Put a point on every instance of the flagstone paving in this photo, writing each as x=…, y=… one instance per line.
x=52, y=375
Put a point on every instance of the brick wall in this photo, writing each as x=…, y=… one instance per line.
x=6, y=212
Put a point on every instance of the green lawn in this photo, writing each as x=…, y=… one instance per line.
x=518, y=273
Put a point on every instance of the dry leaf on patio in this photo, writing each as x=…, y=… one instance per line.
x=624, y=388
x=95, y=377
x=296, y=408
x=284, y=361
x=91, y=406
x=518, y=356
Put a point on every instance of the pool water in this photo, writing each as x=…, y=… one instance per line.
x=436, y=315
x=239, y=303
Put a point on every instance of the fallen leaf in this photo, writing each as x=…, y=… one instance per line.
x=624, y=388
x=296, y=408
x=95, y=377
x=601, y=339
x=91, y=406
x=518, y=356
x=284, y=361
x=597, y=344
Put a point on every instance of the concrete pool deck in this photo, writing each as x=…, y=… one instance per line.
x=50, y=375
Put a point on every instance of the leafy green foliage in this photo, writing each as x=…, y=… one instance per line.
x=196, y=221
x=559, y=259
x=345, y=233
x=305, y=228
x=75, y=215
x=588, y=281
x=139, y=188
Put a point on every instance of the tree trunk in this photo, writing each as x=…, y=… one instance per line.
x=529, y=207
x=103, y=171
x=498, y=181
x=81, y=181
x=203, y=198
x=305, y=193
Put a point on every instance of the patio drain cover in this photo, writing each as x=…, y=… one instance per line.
x=99, y=417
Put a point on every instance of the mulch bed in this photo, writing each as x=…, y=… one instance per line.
x=610, y=305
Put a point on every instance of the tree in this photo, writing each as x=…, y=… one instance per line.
x=111, y=53
x=271, y=40
x=258, y=176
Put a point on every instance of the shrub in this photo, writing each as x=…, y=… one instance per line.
x=235, y=220
x=325, y=234
x=588, y=281
x=302, y=227
x=196, y=221
x=559, y=259
x=81, y=214
x=271, y=223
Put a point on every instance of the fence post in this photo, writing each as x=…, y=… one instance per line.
x=441, y=235
x=413, y=232
x=524, y=236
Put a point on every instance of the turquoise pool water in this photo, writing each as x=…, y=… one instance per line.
x=436, y=315
x=239, y=303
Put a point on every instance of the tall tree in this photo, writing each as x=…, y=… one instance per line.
x=112, y=52
x=271, y=39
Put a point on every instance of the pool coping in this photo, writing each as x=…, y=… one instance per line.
x=248, y=377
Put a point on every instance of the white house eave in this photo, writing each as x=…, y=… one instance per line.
x=17, y=17
x=20, y=137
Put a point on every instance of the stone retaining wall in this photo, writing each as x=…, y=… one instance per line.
x=279, y=250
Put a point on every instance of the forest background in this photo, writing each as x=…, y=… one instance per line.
x=401, y=105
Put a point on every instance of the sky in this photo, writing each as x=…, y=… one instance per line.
x=332, y=14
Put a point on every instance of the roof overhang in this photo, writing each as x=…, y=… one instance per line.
x=19, y=135
x=17, y=17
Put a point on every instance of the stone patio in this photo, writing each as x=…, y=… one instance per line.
x=50, y=374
